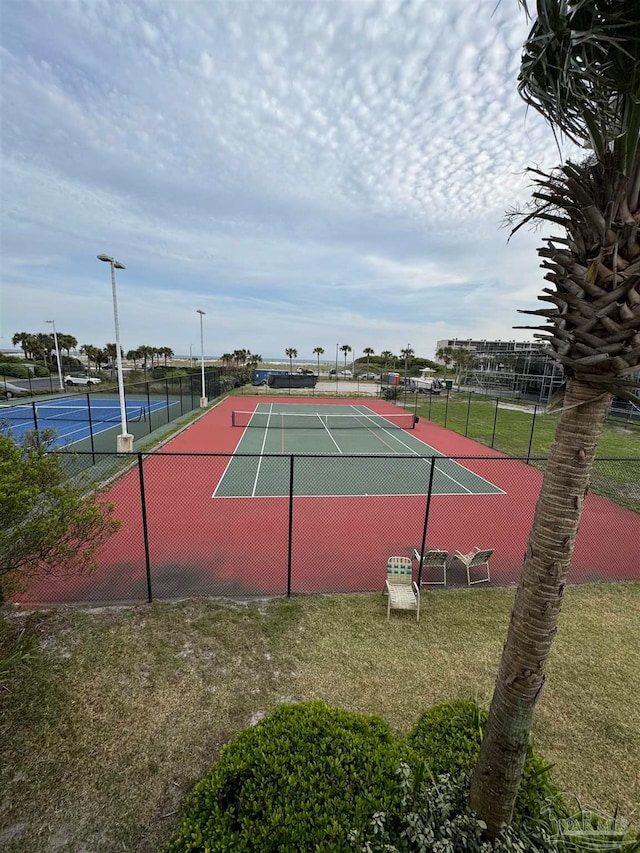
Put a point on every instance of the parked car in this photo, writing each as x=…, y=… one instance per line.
x=346, y=374
x=9, y=390
x=80, y=379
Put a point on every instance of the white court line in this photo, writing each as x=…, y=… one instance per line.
x=233, y=455
x=361, y=495
x=415, y=452
x=329, y=433
x=264, y=441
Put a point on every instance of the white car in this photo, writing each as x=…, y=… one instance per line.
x=9, y=390
x=80, y=379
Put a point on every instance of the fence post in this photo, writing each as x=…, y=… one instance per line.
x=533, y=426
x=35, y=415
x=291, y=458
x=466, y=426
x=166, y=395
x=145, y=530
x=149, y=406
x=93, y=449
x=426, y=518
x=446, y=410
x=430, y=399
x=180, y=394
x=495, y=422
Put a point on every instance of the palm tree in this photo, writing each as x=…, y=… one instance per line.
x=91, y=353
x=291, y=354
x=345, y=348
x=445, y=355
x=387, y=355
x=407, y=354
x=581, y=70
x=462, y=359
x=145, y=352
x=133, y=355
x=368, y=352
x=318, y=351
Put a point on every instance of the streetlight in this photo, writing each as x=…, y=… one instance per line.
x=125, y=440
x=55, y=340
x=203, y=398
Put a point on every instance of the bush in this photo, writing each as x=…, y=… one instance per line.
x=447, y=738
x=14, y=369
x=40, y=369
x=436, y=817
x=297, y=781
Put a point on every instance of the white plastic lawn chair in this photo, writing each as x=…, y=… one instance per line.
x=402, y=591
x=475, y=558
x=434, y=558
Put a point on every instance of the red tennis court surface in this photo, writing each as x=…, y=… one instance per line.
x=240, y=546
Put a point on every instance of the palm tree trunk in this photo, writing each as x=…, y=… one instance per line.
x=537, y=605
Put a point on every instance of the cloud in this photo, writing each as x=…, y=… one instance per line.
x=313, y=170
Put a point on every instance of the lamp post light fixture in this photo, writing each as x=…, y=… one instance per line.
x=203, y=398
x=55, y=340
x=124, y=441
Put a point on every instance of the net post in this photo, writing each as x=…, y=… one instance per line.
x=145, y=529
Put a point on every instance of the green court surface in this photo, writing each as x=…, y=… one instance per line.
x=333, y=436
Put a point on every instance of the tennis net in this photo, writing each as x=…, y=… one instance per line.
x=318, y=420
x=97, y=413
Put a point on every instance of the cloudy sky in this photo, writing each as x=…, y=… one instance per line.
x=307, y=173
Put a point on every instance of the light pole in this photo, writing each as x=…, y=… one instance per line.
x=124, y=442
x=55, y=340
x=203, y=398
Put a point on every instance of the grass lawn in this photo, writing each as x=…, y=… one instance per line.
x=476, y=416
x=117, y=712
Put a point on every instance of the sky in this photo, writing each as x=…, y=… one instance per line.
x=308, y=174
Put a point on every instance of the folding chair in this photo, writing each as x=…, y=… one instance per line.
x=433, y=559
x=475, y=558
x=402, y=591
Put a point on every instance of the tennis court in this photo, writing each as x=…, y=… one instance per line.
x=272, y=432
x=73, y=419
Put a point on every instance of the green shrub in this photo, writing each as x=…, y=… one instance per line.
x=447, y=738
x=40, y=369
x=14, y=369
x=295, y=782
x=436, y=817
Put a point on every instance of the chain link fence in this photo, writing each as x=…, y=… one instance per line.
x=180, y=537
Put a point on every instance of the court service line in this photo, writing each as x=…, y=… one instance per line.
x=473, y=473
x=329, y=433
x=415, y=452
x=264, y=441
x=232, y=456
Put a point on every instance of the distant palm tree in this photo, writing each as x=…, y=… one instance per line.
x=318, y=351
x=387, y=355
x=291, y=354
x=445, y=354
x=345, y=349
x=407, y=353
x=368, y=352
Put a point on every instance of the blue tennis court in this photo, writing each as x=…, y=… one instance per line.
x=74, y=419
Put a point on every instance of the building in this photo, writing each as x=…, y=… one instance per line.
x=519, y=368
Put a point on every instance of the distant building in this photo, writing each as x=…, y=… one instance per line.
x=521, y=368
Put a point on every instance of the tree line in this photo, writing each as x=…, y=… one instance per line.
x=41, y=346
